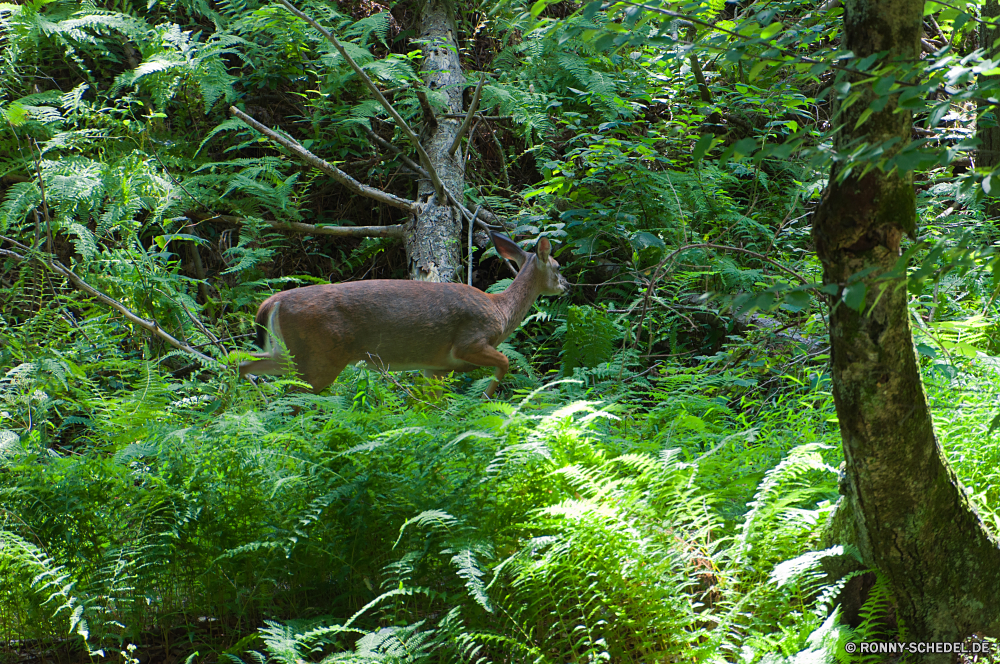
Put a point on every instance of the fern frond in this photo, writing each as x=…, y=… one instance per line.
x=377, y=24
x=468, y=568
x=20, y=198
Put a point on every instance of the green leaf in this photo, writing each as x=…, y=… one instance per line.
x=162, y=240
x=966, y=349
x=867, y=61
x=771, y=30
x=884, y=85
x=691, y=422
x=830, y=289
x=938, y=113
x=648, y=248
x=783, y=151
x=733, y=55
x=746, y=304
x=765, y=301
x=865, y=114
x=744, y=146
x=15, y=114
x=702, y=146
x=591, y=9
x=796, y=300
x=818, y=68
x=910, y=160
x=994, y=425
x=854, y=295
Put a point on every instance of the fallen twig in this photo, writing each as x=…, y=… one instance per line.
x=395, y=230
x=60, y=269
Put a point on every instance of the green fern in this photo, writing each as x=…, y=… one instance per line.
x=20, y=199
x=466, y=561
x=178, y=57
x=590, y=339
x=363, y=29
x=767, y=506
x=873, y=613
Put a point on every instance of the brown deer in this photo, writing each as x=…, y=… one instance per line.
x=398, y=325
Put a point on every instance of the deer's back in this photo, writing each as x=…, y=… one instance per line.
x=406, y=324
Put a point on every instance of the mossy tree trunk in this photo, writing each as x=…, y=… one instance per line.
x=911, y=517
x=433, y=237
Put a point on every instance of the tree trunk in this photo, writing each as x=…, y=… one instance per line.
x=433, y=236
x=911, y=517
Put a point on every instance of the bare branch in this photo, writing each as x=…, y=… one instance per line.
x=424, y=159
x=199, y=266
x=483, y=218
x=401, y=88
x=478, y=218
x=395, y=230
x=699, y=75
x=412, y=165
x=425, y=106
x=148, y=325
x=471, y=229
x=45, y=203
x=328, y=168
x=200, y=325
x=468, y=150
x=473, y=107
x=503, y=161
x=722, y=247
x=481, y=117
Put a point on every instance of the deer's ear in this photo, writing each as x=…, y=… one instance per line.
x=508, y=248
x=543, y=249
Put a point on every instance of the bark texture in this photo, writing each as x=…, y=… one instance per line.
x=911, y=517
x=433, y=237
x=988, y=128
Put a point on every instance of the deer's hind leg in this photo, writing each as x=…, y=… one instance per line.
x=486, y=356
x=263, y=365
x=320, y=377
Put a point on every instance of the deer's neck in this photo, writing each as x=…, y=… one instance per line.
x=513, y=304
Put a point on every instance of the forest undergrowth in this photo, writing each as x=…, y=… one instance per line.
x=653, y=482
x=150, y=519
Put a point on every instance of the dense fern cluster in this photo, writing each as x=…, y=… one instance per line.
x=466, y=530
x=652, y=485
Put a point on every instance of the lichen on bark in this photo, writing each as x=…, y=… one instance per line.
x=432, y=247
